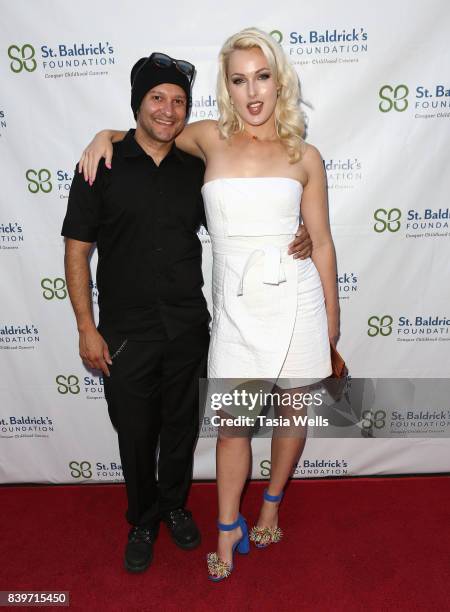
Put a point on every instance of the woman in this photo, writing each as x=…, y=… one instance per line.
x=273, y=317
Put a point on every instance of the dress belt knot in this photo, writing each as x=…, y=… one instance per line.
x=273, y=268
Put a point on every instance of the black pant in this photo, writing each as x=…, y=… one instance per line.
x=152, y=397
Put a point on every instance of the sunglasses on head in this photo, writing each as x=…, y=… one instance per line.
x=165, y=61
x=161, y=60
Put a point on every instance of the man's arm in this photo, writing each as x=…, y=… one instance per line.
x=93, y=349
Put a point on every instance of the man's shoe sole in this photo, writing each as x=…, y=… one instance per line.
x=137, y=570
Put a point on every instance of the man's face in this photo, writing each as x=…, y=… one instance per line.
x=162, y=113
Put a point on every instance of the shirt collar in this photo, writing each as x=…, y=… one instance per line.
x=131, y=148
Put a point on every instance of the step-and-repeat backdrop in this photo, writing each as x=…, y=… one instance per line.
x=376, y=84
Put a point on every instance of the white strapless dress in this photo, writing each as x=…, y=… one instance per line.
x=269, y=318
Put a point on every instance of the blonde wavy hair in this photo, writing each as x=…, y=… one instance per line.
x=289, y=118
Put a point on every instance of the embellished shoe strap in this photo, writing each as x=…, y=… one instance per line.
x=216, y=567
x=266, y=535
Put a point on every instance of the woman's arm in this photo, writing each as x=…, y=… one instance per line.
x=194, y=139
x=197, y=137
x=314, y=209
x=100, y=146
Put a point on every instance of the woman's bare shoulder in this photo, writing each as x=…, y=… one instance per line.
x=311, y=154
x=205, y=126
x=196, y=138
x=311, y=161
x=309, y=164
x=204, y=132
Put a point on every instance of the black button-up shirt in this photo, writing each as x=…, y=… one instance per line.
x=144, y=219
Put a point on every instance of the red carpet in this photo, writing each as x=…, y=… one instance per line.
x=351, y=544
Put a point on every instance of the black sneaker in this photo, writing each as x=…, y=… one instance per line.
x=182, y=528
x=139, y=550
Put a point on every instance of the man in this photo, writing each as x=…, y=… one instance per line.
x=152, y=337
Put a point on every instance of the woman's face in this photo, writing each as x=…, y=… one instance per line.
x=252, y=86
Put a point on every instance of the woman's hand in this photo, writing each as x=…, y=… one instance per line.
x=100, y=146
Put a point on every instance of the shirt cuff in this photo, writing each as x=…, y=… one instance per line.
x=79, y=232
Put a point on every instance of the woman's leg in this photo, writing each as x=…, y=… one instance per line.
x=287, y=447
x=233, y=465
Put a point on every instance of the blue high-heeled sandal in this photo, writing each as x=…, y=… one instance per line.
x=263, y=536
x=218, y=569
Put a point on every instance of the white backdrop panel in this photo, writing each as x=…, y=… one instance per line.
x=378, y=108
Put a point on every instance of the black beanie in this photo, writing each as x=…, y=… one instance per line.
x=145, y=75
